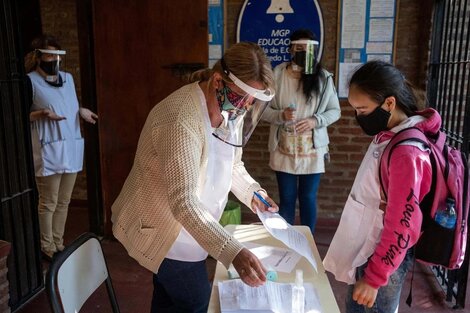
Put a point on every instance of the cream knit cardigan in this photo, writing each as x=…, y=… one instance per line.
x=160, y=195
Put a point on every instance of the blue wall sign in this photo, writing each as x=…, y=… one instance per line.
x=269, y=23
x=216, y=31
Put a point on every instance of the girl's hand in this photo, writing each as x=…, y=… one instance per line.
x=88, y=116
x=364, y=294
x=305, y=124
x=258, y=204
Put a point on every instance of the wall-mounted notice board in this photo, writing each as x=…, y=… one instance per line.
x=367, y=31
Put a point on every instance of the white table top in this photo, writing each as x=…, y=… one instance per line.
x=258, y=234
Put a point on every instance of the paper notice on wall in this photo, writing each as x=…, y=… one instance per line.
x=381, y=29
x=354, y=24
x=345, y=72
x=382, y=8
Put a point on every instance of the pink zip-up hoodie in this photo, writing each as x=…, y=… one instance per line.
x=408, y=182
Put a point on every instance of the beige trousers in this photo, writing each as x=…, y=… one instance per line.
x=55, y=192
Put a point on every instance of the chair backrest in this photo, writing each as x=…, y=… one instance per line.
x=76, y=273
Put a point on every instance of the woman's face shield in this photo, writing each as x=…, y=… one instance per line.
x=241, y=107
x=50, y=60
x=304, y=54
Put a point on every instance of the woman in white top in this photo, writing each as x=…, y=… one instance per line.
x=56, y=138
x=305, y=104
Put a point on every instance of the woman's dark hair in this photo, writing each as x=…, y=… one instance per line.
x=381, y=80
x=41, y=42
x=310, y=82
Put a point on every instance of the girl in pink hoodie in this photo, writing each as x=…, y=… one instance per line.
x=371, y=249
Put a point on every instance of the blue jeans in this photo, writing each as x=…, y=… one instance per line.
x=388, y=297
x=181, y=287
x=305, y=187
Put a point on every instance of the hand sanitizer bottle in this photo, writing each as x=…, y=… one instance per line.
x=298, y=293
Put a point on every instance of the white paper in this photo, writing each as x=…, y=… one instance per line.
x=345, y=72
x=236, y=296
x=382, y=8
x=215, y=51
x=274, y=258
x=381, y=57
x=353, y=24
x=381, y=29
x=379, y=47
x=283, y=231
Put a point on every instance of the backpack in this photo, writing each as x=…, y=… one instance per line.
x=437, y=245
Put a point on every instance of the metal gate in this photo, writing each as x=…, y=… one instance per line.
x=448, y=92
x=18, y=206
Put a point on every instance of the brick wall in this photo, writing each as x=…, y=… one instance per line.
x=4, y=286
x=60, y=20
x=347, y=141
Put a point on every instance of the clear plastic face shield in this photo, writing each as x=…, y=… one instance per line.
x=304, y=53
x=50, y=61
x=241, y=107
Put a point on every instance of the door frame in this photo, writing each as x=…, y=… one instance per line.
x=91, y=134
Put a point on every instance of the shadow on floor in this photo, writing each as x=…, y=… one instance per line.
x=133, y=283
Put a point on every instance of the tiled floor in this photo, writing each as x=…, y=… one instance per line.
x=133, y=284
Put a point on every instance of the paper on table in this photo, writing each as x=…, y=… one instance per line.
x=283, y=231
x=236, y=296
x=273, y=258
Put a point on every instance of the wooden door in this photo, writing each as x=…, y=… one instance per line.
x=140, y=48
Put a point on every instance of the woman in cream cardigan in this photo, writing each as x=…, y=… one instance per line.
x=167, y=213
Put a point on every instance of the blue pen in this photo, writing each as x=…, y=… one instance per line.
x=266, y=203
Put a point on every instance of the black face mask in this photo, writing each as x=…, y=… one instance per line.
x=374, y=122
x=299, y=58
x=49, y=67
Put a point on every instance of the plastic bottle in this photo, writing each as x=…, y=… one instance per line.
x=298, y=293
x=290, y=125
x=447, y=217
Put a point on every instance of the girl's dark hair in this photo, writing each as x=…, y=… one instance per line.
x=310, y=82
x=41, y=42
x=381, y=80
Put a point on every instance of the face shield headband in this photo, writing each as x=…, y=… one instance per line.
x=52, y=67
x=304, y=54
x=241, y=113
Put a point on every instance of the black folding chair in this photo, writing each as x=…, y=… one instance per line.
x=76, y=273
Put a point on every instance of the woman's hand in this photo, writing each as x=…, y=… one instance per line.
x=364, y=293
x=305, y=124
x=258, y=204
x=288, y=114
x=250, y=269
x=88, y=116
